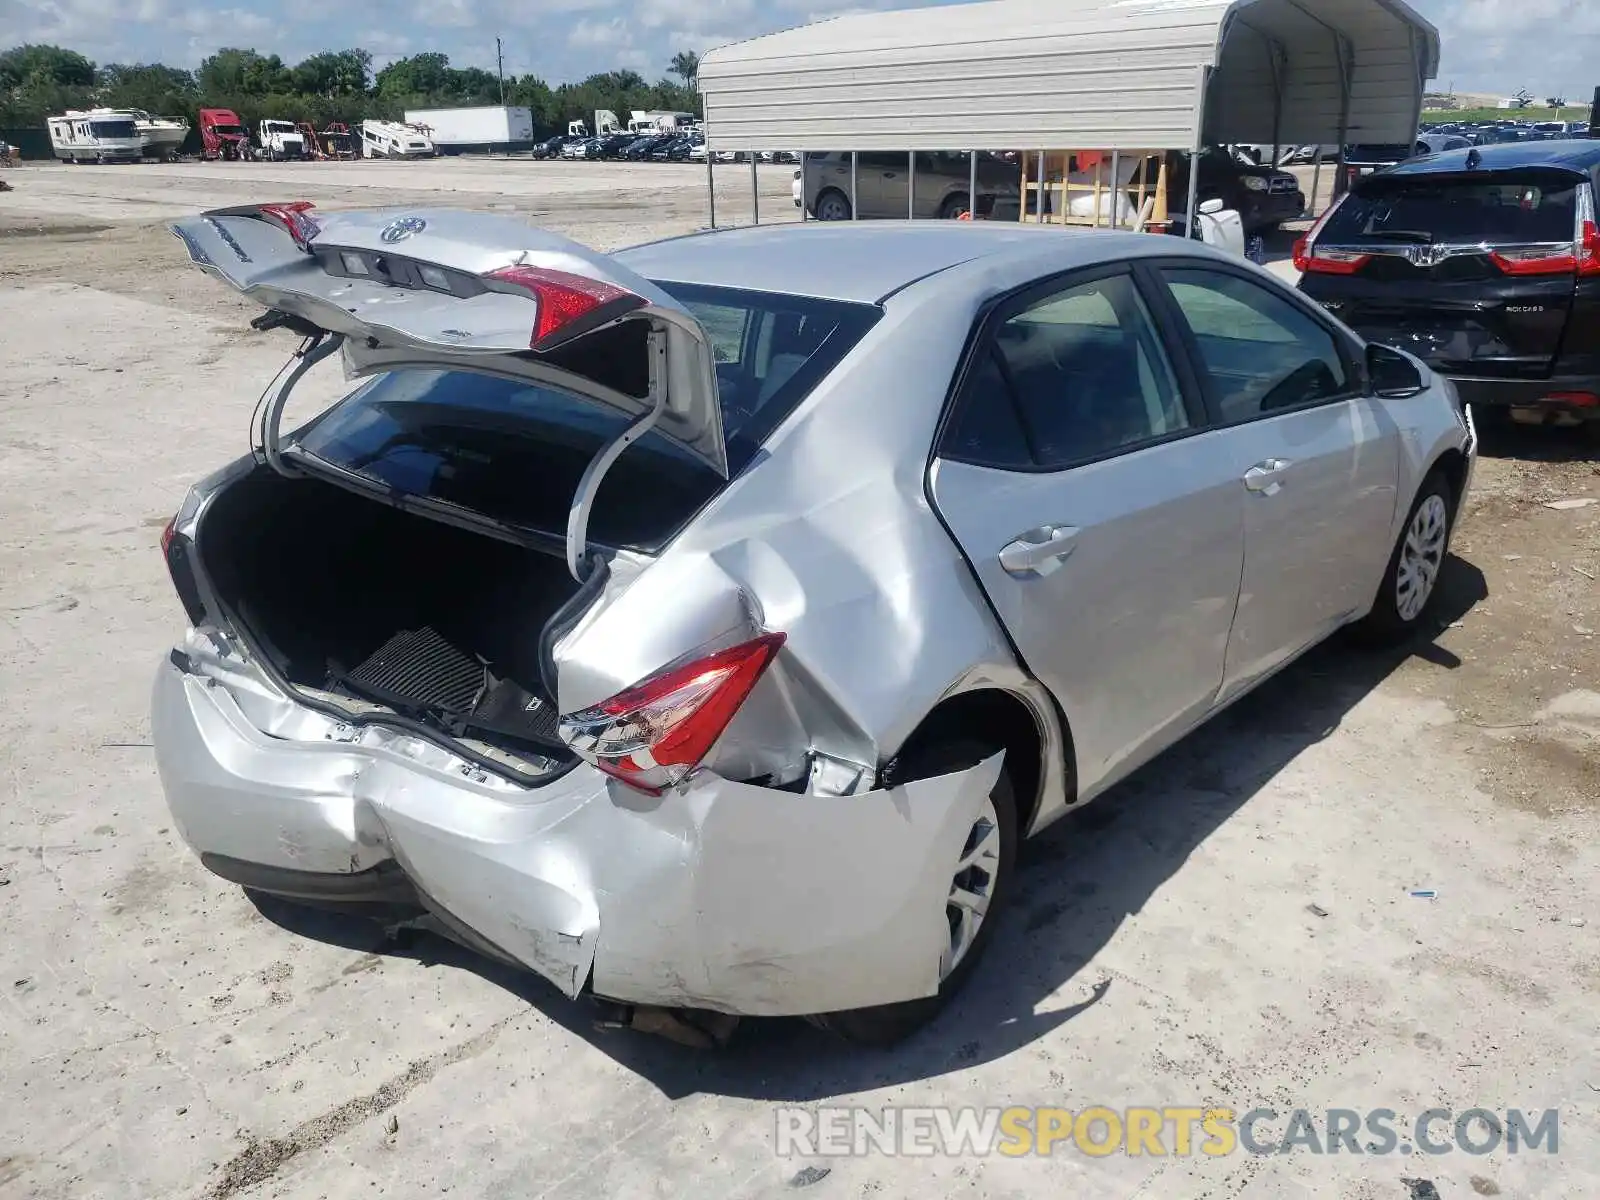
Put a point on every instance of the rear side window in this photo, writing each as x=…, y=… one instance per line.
x=1074, y=376
x=1499, y=209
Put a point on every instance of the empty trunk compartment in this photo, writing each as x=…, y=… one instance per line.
x=347, y=594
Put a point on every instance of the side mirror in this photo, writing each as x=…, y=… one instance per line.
x=1213, y=205
x=1391, y=374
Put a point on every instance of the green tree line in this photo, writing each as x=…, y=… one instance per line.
x=335, y=85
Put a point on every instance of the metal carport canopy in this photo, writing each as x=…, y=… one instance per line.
x=1077, y=74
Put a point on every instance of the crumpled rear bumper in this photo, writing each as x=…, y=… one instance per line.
x=724, y=895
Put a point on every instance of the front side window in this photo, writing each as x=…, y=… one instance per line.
x=1260, y=352
x=1074, y=376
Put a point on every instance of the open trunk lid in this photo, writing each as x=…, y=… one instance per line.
x=457, y=290
x=1475, y=272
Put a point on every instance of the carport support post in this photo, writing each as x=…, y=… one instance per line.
x=1038, y=206
x=802, y=187
x=1189, y=213
x=855, y=171
x=972, y=184
x=755, y=189
x=911, y=185
x=711, y=187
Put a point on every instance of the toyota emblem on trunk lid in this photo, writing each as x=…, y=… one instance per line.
x=399, y=230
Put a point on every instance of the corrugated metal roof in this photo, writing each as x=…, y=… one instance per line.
x=1058, y=74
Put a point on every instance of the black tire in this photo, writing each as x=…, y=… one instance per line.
x=1388, y=623
x=886, y=1024
x=954, y=205
x=832, y=205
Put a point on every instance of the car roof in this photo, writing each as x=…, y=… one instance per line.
x=864, y=261
x=1581, y=155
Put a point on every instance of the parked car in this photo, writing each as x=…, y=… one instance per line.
x=613, y=145
x=939, y=531
x=552, y=146
x=1363, y=159
x=662, y=150
x=1484, y=262
x=943, y=181
x=640, y=150
x=1263, y=197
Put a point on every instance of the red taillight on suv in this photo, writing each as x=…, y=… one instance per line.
x=655, y=733
x=1308, y=259
x=1589, y=249
x=1583, y=257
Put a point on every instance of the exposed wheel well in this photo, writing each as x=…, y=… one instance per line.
x=987, y=715
x=1452, y=464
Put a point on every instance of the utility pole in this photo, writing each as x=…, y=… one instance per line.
x=500, y=70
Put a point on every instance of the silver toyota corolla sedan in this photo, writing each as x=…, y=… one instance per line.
x=702, y=626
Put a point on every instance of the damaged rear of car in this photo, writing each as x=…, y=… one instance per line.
x=441, y=661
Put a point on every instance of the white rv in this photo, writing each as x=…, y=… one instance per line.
x=393, y=139
x=280, y=140
x=103, y=135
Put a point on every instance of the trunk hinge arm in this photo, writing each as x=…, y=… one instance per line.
x=312, y=351
x=583, y=497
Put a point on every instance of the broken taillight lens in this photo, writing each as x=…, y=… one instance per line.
x=568, y=303
x=654, y=734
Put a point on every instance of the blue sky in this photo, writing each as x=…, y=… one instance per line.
x=1489, y=45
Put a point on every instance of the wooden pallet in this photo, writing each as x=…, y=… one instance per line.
x=1094, y=173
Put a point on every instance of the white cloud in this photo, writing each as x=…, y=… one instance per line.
x=1488, y=45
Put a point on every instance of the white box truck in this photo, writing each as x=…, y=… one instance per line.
x=475, y=130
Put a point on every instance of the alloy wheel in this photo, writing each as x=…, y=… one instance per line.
x=1421, y=557
x=972, y=887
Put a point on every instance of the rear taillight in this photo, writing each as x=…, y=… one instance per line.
x=1583, y=257
x=294, y=219
x=568, y=304
x=1309, y=260
x=654, y=734
x=1589, y=247
x=1535, y=260
x=175, y=550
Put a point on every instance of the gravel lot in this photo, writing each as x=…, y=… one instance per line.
x=1234, y=926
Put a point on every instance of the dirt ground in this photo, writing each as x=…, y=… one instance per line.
x=1234, y=926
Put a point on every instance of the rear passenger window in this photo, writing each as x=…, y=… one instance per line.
x=1261, y=353
x=1087, y=373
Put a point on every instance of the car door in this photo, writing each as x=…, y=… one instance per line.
x=882, y=180
x=1076, y=473
x=1317, y=460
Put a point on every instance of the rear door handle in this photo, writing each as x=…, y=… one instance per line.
x=1039, y=551
x=1266, y=476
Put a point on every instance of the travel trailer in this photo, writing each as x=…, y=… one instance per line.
x=101, y=135
x=394, y=139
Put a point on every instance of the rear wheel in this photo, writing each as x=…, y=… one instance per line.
x=954, y=207
x=832, y=206
x=979, y=888
x=1410, y=582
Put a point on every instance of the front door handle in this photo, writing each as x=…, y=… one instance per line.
x=1039, y=551
x=1266, y=476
